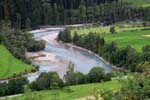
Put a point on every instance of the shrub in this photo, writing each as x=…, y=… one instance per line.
x=112, y=30
x=47, y=81
x=96, y=74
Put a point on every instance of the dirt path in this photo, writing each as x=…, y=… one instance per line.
x=90, y=98
x=146, y=35
x=11, y=96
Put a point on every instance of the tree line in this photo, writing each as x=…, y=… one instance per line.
x=51, y=80
x=25, y=14
x=133, y=87
x=18, y=43
x=125, y=58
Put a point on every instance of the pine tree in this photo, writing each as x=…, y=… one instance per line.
x=28, y=24
x=18, y=21
x=82, y=11
x=75, y=38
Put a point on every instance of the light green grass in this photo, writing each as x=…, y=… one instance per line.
x=106, y=29
x=91, y=29
x=77, y=91
x=10, y=65
x=138, y=3
x=132, y=36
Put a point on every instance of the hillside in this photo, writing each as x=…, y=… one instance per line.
x=10, y=65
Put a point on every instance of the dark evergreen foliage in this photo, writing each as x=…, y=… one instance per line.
x=13, y=86
x=96, y=74
x=31, y=13
x=19, y=42
x=49, y=80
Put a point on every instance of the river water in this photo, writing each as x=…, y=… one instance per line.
x=64, y=55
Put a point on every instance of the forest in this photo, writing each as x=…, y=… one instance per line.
x=24, y=14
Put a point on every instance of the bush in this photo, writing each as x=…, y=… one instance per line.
x=45, y=81
x=96, y=74
x=13, y=86
x=135, y=88
x=112, y=30
x=146, y=48
x=36, y=46
x=1, y=39
x=18, y=43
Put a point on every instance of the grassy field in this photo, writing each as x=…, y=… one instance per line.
x=76, y=91
x=137, y=39
x=133, y=36
x=139, y=3
x=106, y=29
x=10, y=65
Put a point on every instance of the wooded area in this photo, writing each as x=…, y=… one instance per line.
x=31, y=13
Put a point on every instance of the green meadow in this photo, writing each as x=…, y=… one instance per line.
x=138, y=3
x=10, y=65
x=136, y=39
x=76, y=92
x=133, y=36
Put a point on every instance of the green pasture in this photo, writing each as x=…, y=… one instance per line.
x=10, y=65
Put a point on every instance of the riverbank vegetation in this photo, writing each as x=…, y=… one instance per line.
x=71, y=92
x=13, y=47
x=125, y=58
x=134, y=88
x=13, y=86
x=18, y=43
x=136, y=37
x=51, y=80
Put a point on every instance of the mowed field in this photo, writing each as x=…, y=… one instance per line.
x=76, y=92
x=136, y=39
x=133, y=36
x=10, y=65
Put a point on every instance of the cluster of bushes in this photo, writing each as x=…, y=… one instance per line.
x=51, y=80
x=13, y=86
x=135, y=88
x=0, y=38
x=19, y=42
x=96, y=74
x=45, y=81
x=126, y=58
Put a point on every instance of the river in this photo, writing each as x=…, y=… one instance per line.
x=58, y=56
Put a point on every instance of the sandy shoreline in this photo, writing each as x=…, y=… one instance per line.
x=41, y=56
